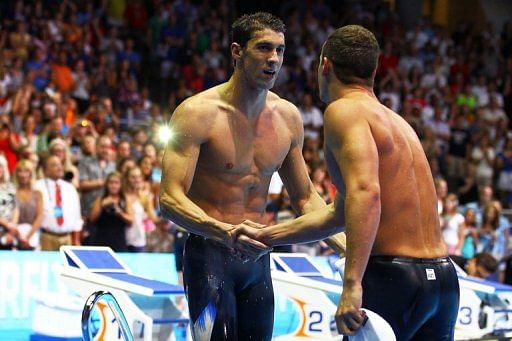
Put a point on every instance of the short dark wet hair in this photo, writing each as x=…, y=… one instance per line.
x=354, y=53
x=487, y=261
x=244, y=27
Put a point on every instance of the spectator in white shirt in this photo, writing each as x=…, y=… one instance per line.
x=312, y=118
x=482, y=155
x=62, y=219
x=493, y=113
x=440, y=128
x=481, y=92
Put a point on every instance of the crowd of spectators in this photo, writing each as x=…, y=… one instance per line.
x=86, y=87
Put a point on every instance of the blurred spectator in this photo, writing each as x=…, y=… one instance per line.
x=144, y=218
x=311, y=117
x=5, y=91
x=440, y=128
x=457, y=149
x=20, y=41
x=465, y=97
x=504, y=170
x=322, y=184
x=77, y=135
x=30, y=206
x=390, y=91
x=28, y=136
x=59, y=147
x=9, y=212
x=503, y=225
x=51, y=130
x=388, y=60
x=140, y=138
x=62, y=220
x=482, y=155
x=483, y=265
x=492, y=114
x=487, y=235
x=9, y=144
x=467, y=188
x=124, y=164
x=62, y=77
x=470, y=234
x=81, y=86
x=453, y=225
x=93, y=169
x=480, y=90
x=160, y=239
x=485, y=197
x=429, y=143
x=441, y=192
x=112, y=214
x=123, y=149
x=150, y=182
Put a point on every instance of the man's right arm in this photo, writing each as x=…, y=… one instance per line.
x=190, y=125
x=87, y=184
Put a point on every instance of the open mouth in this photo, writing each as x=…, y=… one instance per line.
x=269, y=72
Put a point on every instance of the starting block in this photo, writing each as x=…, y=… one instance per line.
x=147, y=304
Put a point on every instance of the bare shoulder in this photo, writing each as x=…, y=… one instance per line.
x=202, y=106
x=128, y=199
x=196, y=117
x=38, y=194
x=344, y=112
x=288, y=112
x=286, y=108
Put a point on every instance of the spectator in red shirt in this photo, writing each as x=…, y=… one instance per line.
x=136, y=15
x=9, y=144
x=387, y=60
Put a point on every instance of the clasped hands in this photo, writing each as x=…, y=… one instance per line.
x=245, y=240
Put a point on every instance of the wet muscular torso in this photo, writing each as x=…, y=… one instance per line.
x=408, y=223
x=236, y=162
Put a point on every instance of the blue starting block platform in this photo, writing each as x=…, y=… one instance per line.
x=103, y=262
x=147, y=304
x=300, y=265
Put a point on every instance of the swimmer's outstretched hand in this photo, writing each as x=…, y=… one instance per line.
x=246, y=243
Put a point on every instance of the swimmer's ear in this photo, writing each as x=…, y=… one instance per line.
x=236, y=51
x=326, y=66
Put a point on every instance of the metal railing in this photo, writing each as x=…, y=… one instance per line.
x=114, y=306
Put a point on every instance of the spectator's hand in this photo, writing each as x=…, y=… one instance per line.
x=24, y=243
x=107, y=201
x=349, y=316
x=117, y=210
x=12, y=228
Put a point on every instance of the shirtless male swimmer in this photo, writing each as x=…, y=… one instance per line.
x=396, y=262
x=227, y=143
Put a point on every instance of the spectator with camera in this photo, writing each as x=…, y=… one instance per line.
x=112, y=214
